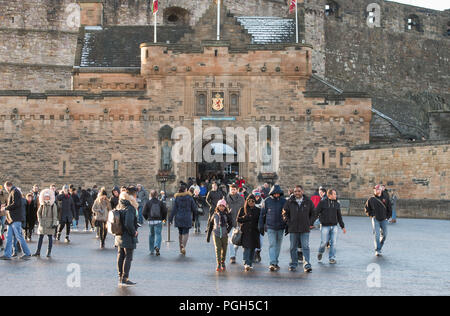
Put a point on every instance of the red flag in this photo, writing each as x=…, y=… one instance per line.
x=293, y=6
x=155, y=6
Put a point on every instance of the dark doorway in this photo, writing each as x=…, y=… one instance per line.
x=224, y=170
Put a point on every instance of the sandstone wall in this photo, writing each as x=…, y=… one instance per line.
x=406, y=72
x=415, y=171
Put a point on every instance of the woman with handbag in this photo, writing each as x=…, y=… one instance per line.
x=101, y=209
x=220, y=223
x=248, y=218
x=47, y=216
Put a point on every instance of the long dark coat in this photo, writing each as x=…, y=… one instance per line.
x=249, y=227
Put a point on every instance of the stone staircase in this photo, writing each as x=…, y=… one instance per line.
x=268, y=30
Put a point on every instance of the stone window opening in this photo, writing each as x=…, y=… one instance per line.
x=116, y=168
x=323, y=159
x=176, y=16
x=234, y=103
x=332, y=9
x=201, y=107
x=64, y=167
x=413, y=23
x=341, y=159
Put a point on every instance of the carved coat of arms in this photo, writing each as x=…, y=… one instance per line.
x=217, y=103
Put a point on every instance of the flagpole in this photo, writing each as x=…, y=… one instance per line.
x=296, y=20
x=154, y=35
x=218, y=20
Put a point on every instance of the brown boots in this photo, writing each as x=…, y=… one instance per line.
x=183, y=239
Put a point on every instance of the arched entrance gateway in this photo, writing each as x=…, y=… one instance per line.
x=223, y=166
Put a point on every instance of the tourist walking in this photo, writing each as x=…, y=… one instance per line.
x=100, y=210
x=31, y=216
x=220, y=224
x=67, y=213
x=271, y=221
x=127, y=242
x=14, y=218
x=394, y=200
x=198, y=211
x=86, y=203
x=329, y=212
x=235, y=202
x=114, y=200
x=142, y=198
x=155, y=212
x=47, y=217
x=379, y=210
x=213, y=197
x=298, y=214
x=248, y=219
x=183, y=212
x=259, y=201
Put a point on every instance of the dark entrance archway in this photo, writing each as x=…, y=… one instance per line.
x=225, y=168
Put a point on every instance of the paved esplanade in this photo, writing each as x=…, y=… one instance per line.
x=415, y=262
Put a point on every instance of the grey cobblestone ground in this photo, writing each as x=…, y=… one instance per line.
x=415, y=262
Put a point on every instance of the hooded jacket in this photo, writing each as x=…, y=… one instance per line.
x=271, y=211
x=47, y=214
x=127, y=206
x=298, y=217
x=183, y=210
x=114, y=200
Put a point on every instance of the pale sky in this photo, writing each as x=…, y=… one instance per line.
x=431, y=4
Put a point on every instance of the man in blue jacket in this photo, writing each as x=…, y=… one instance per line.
x=271, y=220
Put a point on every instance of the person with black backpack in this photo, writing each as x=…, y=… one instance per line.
x=155, y=212
x=126, y=237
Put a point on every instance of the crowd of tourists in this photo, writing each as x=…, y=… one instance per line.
x=236, y=219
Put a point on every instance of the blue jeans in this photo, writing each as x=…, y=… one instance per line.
x=233, y=247
x=296, y=240
x=15, y=230
x=154, y=239
x=379, y=232
x=275, y=241
x=249, y=255
x=140, y=216
x=329, y=234
x=394, y=212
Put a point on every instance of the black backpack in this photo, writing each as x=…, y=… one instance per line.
x=155, y=210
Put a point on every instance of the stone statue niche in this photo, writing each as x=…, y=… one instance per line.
x=166, y=157
x=165, y=142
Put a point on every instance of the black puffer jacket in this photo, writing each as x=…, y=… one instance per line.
x=329, y=212
x=299, y=219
